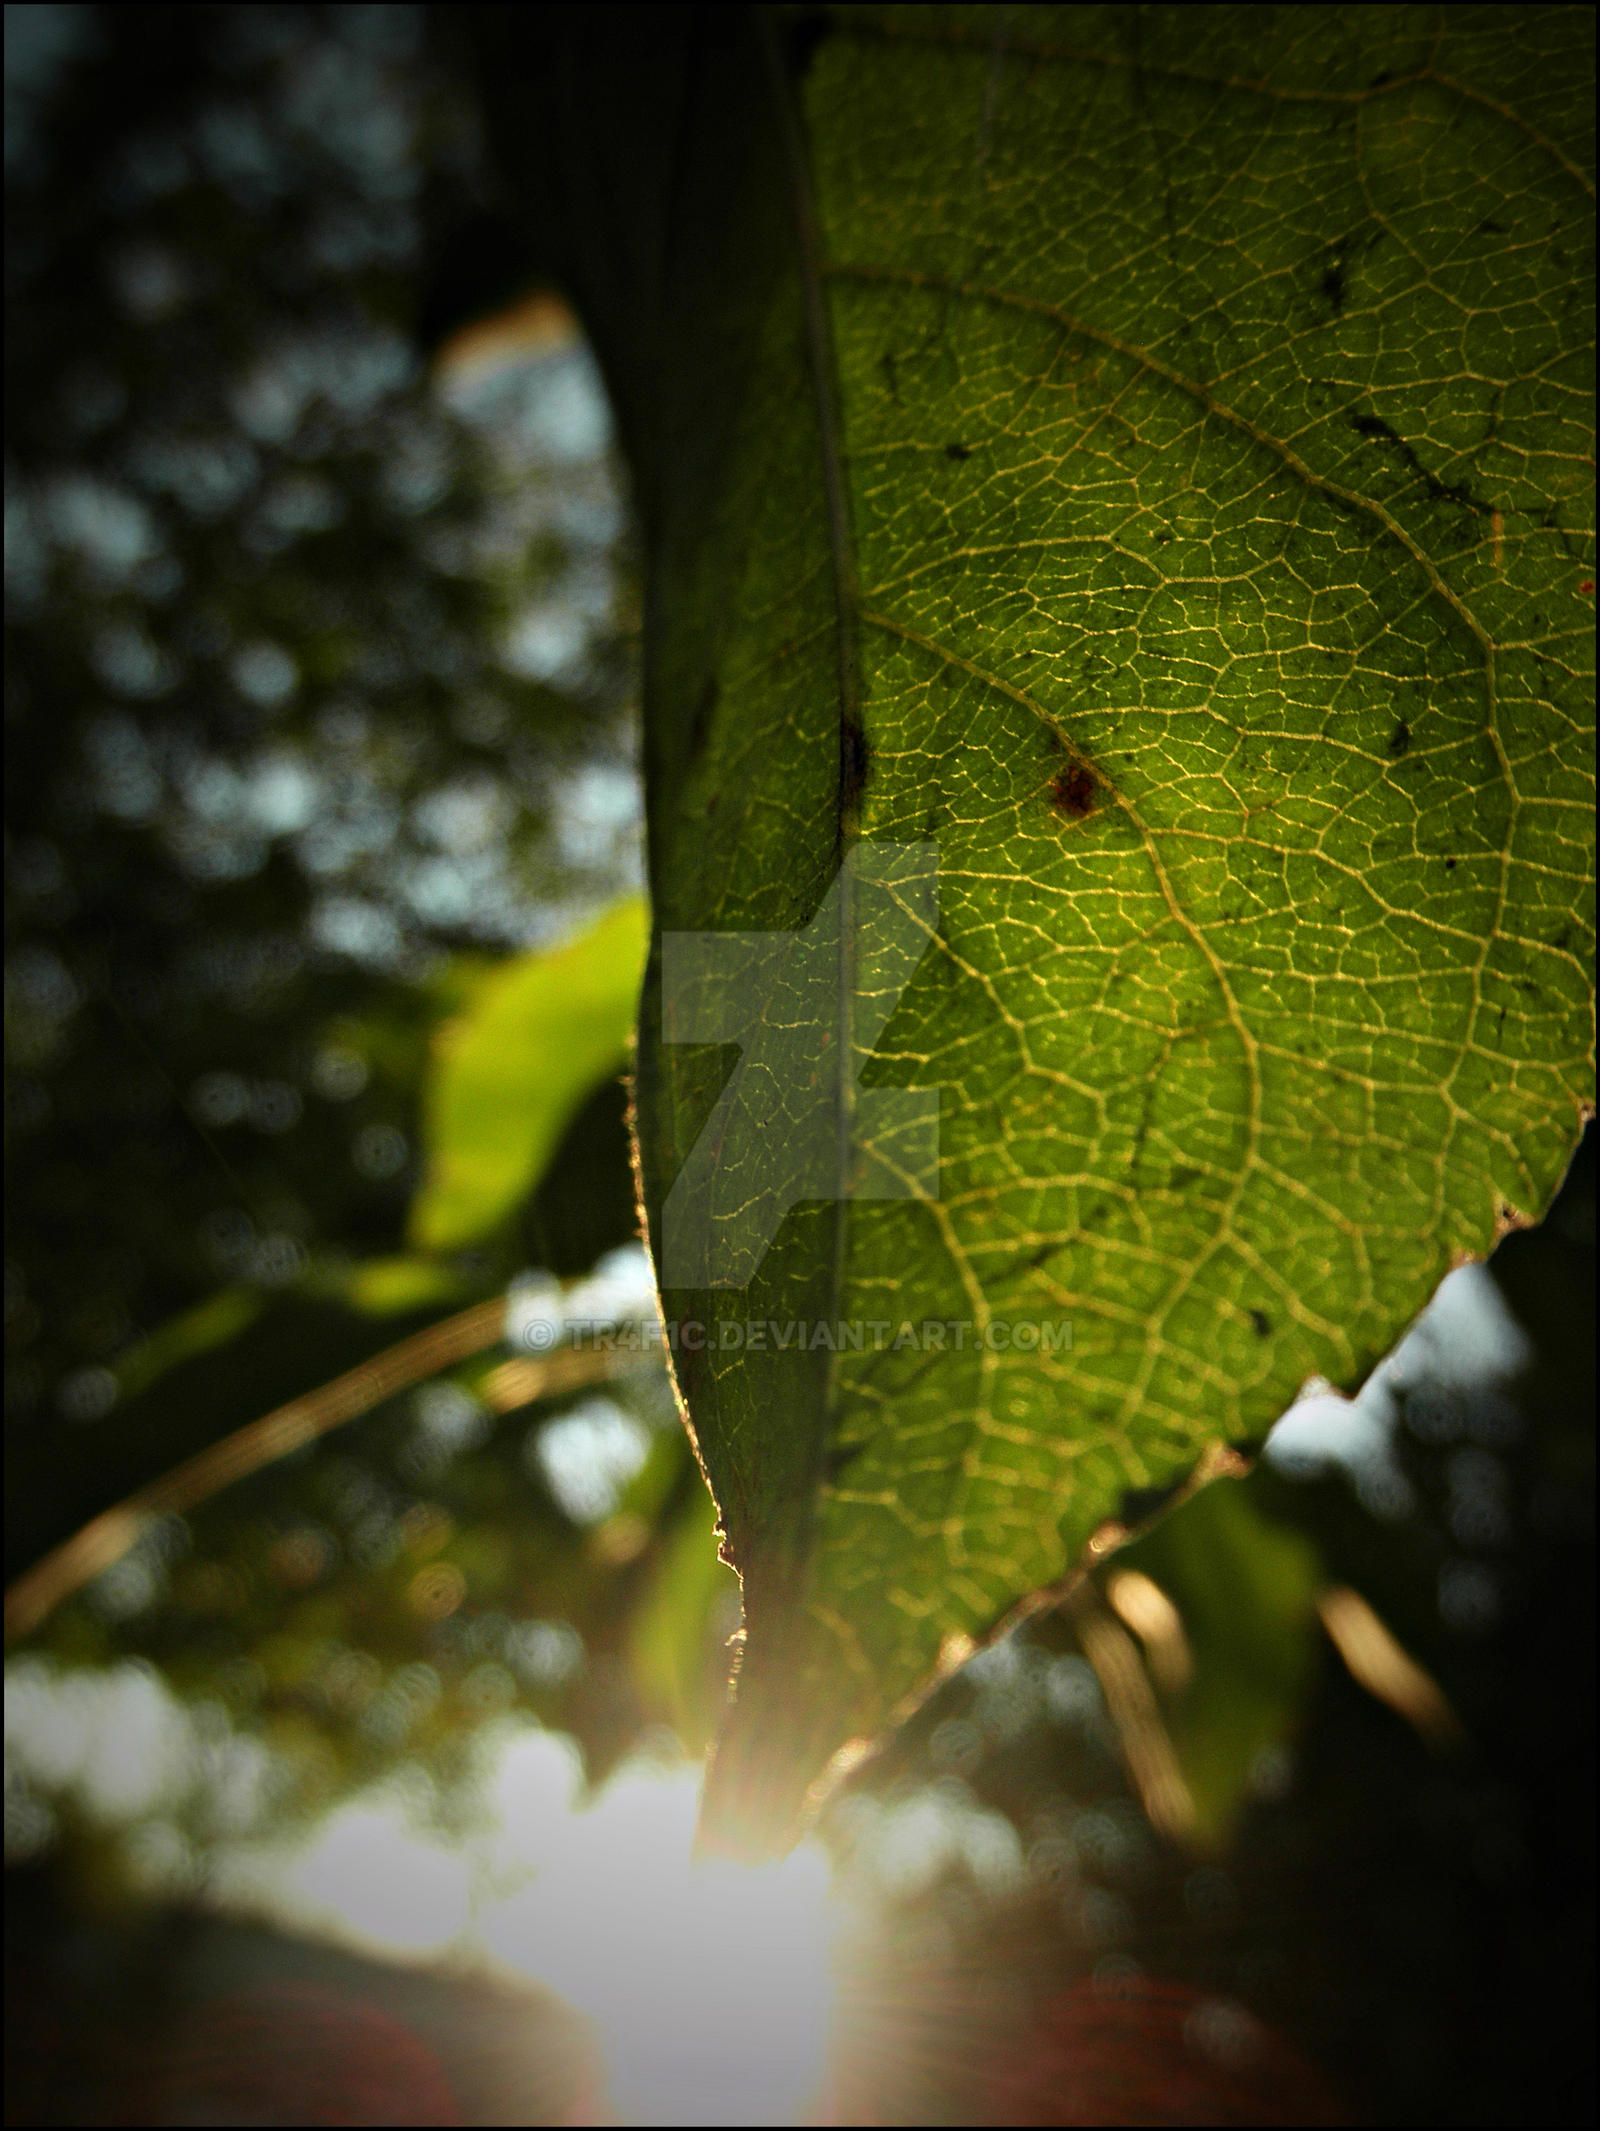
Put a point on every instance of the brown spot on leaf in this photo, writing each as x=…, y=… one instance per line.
x=1073, y=791
x=700, y=721
x=842, y=1457
x=1508, y=1219
x=855, y=760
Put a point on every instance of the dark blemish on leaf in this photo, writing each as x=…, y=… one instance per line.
x=1585, y=584
x=842, y=1457
x=891, y=377
x=1262, y=1323
x=1181, y=1179
x=1333, y=282
x=1072, y=791
x=1380, y=81
x=711, y=803
x=1491, y=228
x=1374, y=427
x=1449, y=865
x=704, y=709
x=1400, y=740
x=958, y=451
x=1508, y=1219
x=855, y=763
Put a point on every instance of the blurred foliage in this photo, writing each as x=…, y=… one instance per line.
x=283, y=736
x=515, y=1067
x=1244, y=1585
x=430, y=1567
x=319, y=677
x=141, y=2044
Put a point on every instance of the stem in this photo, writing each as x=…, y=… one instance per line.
x=105, y=1539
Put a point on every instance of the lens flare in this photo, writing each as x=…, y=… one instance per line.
x=710, y=1983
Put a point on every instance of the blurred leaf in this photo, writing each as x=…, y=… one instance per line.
x=511, y=1072
x=678, y=1657
x=586, y=1204
x=383, y=1286
x=209, y=1324
x=1245, y=1588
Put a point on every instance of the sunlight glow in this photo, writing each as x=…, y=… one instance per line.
x=709, y=1983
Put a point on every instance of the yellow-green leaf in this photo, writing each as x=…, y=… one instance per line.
x=509, y=1074
x=1142, y=456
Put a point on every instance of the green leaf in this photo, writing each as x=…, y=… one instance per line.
x=209, y=1324
x=1245, y=1589
x=1142, y=453
x=673, y=1634
x=514, y=1068
x=383, y=1287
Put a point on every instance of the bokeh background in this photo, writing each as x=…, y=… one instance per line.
x=324, y=925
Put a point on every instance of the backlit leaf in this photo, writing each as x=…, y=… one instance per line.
x=1140, y=455
x=512, y=1071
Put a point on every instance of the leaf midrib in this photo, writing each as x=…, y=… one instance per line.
x=822, y=366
